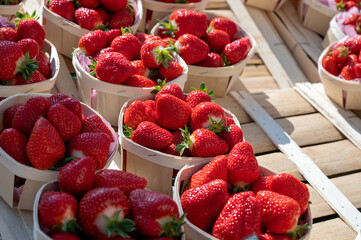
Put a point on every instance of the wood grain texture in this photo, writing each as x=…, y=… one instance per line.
x=332, y=230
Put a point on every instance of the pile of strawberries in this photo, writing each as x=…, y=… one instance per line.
x=95, y=14
x=110, y=204
x=216, y=44
x=136, y=60
x=344, y=59
x=22, y=61
x=10, y=2
x=44, y=133
x=354, y=21
x=271, y=206
x=181, y=125
x=345, y=5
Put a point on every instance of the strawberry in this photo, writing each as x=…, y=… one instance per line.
x=208, y=115
x=224, y=24
x=8, y=34
x=57, y=209
x=151, y=136
x=121, y=19
x=44, y=65
x=191, y=48
x=233, y=136
x=77, y=177
x=202, y=143
x=349, y=5
x=288, y=185
x=9, y=115
x=13, y=142
x=330, y=65
x=135, y=114
x=155, y=214
x=45, y=146
x=140, y=68
x=26, y=116
x=89, y=3
x=65, y=236
x=88, y=18
x=154, y=53
x=182, y=21
x=104, y=50
x=128, y=45
x=279, y=213
x=73, y=105
x=139, y=81
x=104, y=14
x=217, y=40
x=95, y=124
x=204, y=203
x=212, y=60
x=102, y=213
x=196, y=97
x=353, y=44
x=125, y=181
x=171, y=71
x=143, y=37
x=177, y=139
x=242, y=165
x=351, y=19
x=340, y=54
x=33, y=78
x=229, y=121
x=351, y=61
x=262, y=183
x=28, y=27
x=29, y=45
x=114, y=5
x=113, y=67
x=270, y=236
x=172, y=89
x=94, y=145
x=12, y=58
x=348, y=73
x=240, y=217
x=63, y=8
x=111, y=35
x=216, y=169
x=169, y=40
x=172, y=112
x=92, y=42
x=235, y=51
x=358, y=70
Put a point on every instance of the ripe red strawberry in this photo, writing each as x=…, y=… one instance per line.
x=353, y=44
x=143, y=37
x=233, y=136
x=330, y=65
x=63, y=8
x=88, y=18
x=172, y=89
x=73, y=105
x=26, y=116
x=135, y=114
x=191, y=48
x=152, y=136
x=351, y=60
x=57, y=208
x=358, y=70
x=102, y=213
x=29, y=45
x=105, y=15
x=89, y=3
x=9, y=115
x=208, y=115
x=203, y=204
x=128, y=45
x=340, y=54
x=153, y=53
x=229, y=121
x=111, y=35
x=78, y=176
x=95, y=124
x=45, y=146
x=351, y=19
x=44, y=65
x=216, y=169
x=279, y=213
x=240, y=217
x=125, y=181
x=288, y=185
x=95, y=145
x=349, y=5
x=13, y=142
x=182, y=21
x=177, y=139
x=217, y=40
x=8, y=34
x=114, y=5
x=196, y=97
x=33, y=78
x=65, y=236
x=65, y=121
x=172, y=112
x=12, y=59
x=171, y=70
x=242, y=165
x=155, y=214
x=121, y=19
x=348, y=73
x=104, y=50
x=270, y=236
x=212, y=60
x=28, y=27
x=92, y=42
x=262, y=183
x=140, y=68
x=113, y=67
x=224, y=24
x=202, y=143
x=235, y=51
x=139, y=81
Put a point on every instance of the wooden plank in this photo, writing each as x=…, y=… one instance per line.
x=255, y=71
x=331, y=230
x=65, y=83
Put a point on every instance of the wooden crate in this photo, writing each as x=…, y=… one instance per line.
x=269, y=5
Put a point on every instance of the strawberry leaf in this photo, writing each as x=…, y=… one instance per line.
x=121, y=228
x=186, y=141
x=28, y=67
x=127, y=132
x=218, y=127
x=169, y=28
x=174, y=227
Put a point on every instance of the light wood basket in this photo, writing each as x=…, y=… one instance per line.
x=65, y=34
x=269, y=5
x=34, y=178
x=220, y=79
x=334, y=33
x=195, y=233
x=9, y=11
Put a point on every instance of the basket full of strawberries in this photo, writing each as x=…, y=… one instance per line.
x=9, y=8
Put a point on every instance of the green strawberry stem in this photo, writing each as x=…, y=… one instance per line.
x=161, y=84
x=174, y=227
x=298, y=232
x=126, y=30
x=169, y=27
x=340, y=6
x=225, y=62
x=238, y=189
x=121, y=228
x=164, y=56
x=203, y=88
x=217, y=127
x=186, y=143
x=69, y=226
x=62, y=163
x=21, y=16
x=28, y=66
x=92, y=67
x=127, y=132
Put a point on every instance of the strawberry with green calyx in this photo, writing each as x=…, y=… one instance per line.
x=29, y=45
x=236, y=51
x=172, y=89
x=196, y=96
x=171, y=70
x=92, y=42
x=191, y=48
x=341, y=6
x=167, y=29
x=340, y=54
x=217, y=39
x=210, y=116
x=14, y=58
x=177, y=139
x=28, y=67
x=28, y=27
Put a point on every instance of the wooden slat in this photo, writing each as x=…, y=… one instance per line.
x=65, y=83
x=332, y=230
x=255, y=84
